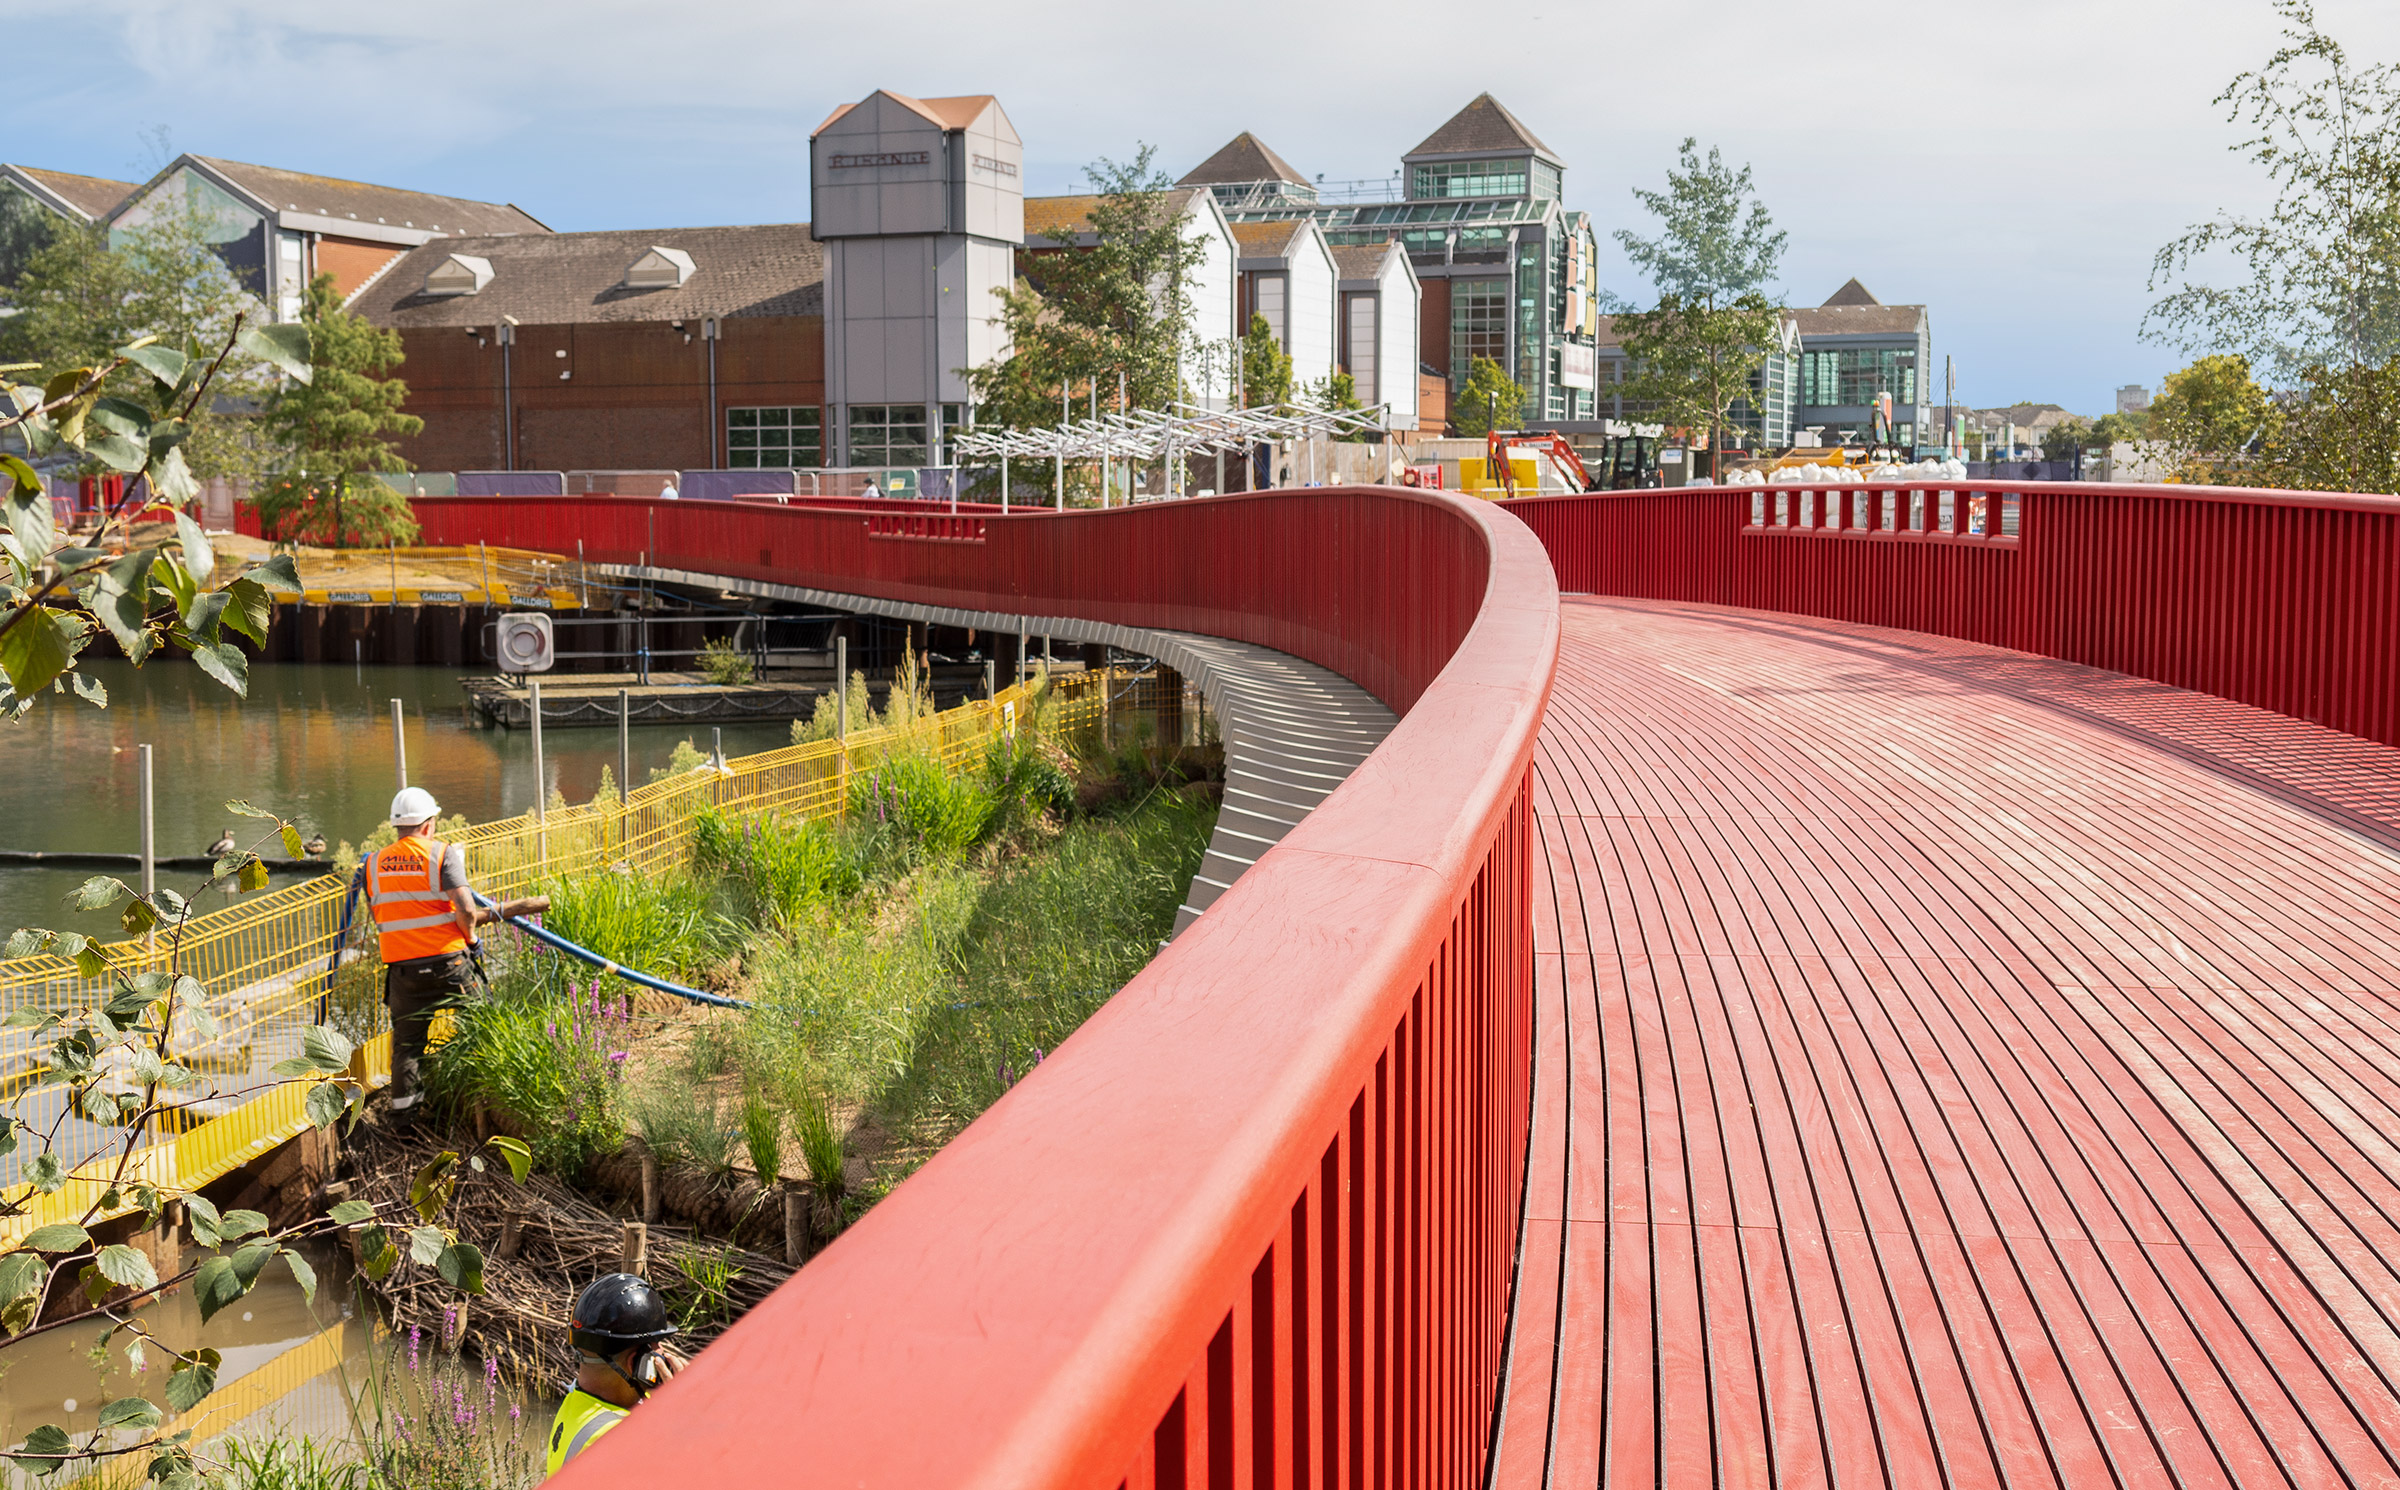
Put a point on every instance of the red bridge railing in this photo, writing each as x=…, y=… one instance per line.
x=2289, y=601
x=1254, y=1223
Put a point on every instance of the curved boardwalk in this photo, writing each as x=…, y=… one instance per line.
x=1955, y=1068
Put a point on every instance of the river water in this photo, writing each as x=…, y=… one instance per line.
x=312, y=743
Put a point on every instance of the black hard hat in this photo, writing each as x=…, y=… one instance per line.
x=618, y=1313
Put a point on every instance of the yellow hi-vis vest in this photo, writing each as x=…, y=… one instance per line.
x=581, y=1418
x=413, y=914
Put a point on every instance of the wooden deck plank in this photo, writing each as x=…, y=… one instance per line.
x=1953, y=1068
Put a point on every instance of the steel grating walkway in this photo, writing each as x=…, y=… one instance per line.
x=1953, y=1069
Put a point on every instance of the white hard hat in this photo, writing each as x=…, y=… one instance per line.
x=414, y=805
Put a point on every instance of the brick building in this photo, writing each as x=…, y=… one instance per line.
x=686, y=348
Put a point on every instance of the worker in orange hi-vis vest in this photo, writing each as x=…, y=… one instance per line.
x=425, y=926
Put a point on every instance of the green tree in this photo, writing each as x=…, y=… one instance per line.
x=1266, y=367
x=1691, y=362
x=1715, y=244
x=2322, y=265
x=2339, y=431
x=2061, y=440
x=78, y=299
x=2208, y=416
x=1697, y=352
x=1336, y=392
x=26, y=228
x=1490, y=400
x=334, y=430
x=1081, y=316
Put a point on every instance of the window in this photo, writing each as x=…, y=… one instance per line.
x=1854, y=375
x=1546, y=185
x=1362, y=347
x=1266, y=298
x=773, y=439
x=1478, y=325
x=1482, y=245
x=887, y=434
x=1470, y=178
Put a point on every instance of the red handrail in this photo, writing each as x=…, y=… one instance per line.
x=1254, y=1223
x=2288, y=601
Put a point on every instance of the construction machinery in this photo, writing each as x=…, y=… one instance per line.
x=1629, y=458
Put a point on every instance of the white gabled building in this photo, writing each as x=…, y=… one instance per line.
x=1288, y=276
x=1378, y=331
x=1057, y=224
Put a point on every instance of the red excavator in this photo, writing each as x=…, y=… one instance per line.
x=1562, y=455
x=1632, y=459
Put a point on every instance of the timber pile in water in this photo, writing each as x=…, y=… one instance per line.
x=564, y=1241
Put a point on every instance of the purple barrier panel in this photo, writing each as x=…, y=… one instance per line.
x=512, y=483
x=707, y=486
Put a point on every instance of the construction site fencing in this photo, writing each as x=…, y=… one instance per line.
x=267, y=962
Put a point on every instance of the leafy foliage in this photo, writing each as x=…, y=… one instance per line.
x=724, y=664
x=334, y=430
x=113, y=1055
x=2209, y=416
x=1490, y=400
x=1266, y=368
x=2339, y=431
x=92, y=291
x=147, y=597
x=2322, y=265
x=1697, y=351
x=1086, y=315
x=1715, y=244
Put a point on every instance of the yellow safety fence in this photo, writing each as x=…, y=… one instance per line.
x=265, y=961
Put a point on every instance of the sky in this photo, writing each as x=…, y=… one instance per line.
x=2013, y=166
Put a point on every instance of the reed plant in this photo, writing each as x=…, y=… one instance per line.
x=246, y=1463
x=665, y=924
x=922, y=808
x=549, y=1057
x=781, y=868
x=762, y=1136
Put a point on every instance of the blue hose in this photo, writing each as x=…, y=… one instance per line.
x=644, y=980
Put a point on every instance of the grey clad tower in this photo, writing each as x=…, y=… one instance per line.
x=920, y=205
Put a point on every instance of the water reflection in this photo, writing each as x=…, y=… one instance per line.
x=313, y=743
x=291, y=1369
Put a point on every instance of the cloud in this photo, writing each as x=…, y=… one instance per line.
x=2012, y=166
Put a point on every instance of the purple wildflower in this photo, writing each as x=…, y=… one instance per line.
x=415, y=1337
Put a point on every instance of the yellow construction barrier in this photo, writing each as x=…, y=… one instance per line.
x=264, y=961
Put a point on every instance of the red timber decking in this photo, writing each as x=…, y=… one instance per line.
x=1954, y=1068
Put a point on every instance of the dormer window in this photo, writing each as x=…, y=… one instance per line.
x=660, y=269
x=458, y=274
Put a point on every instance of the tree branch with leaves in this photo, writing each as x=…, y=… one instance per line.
x=146, y=598
x=117, y=1050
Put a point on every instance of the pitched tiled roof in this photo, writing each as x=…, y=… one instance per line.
x=1046, y=215
x=554, y=279
x=330, y=196
x=1860, y=320
x=1852, y=293
x=1268, y=240
x=949, y=113
x=1245, y=158
x=93, y=196
x=1480, y=126
x=1073, y=215
x=1352, y=261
